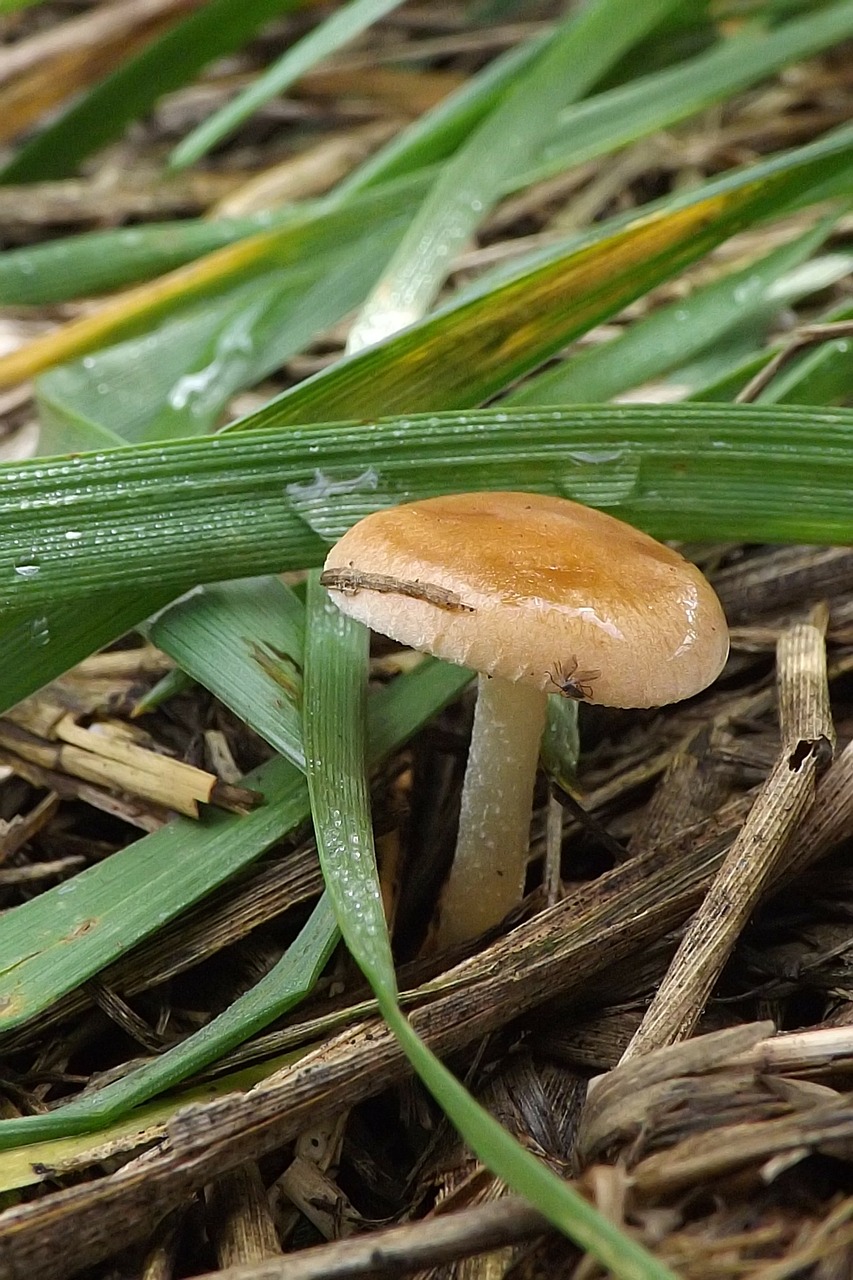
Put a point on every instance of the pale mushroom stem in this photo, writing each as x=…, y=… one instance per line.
x=487, y=877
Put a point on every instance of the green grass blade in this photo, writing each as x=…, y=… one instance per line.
x=620, y=116
x=293, y=246
x=338, y=30
x=287, y=983
x=334, y=730
x=12, y=6
x=436, y=134
x=265, y=501
x=822, y=374
x=219, y=27
x=97, y=261
x=39, y=647
x=38, y=1162
x=477, y=346
x=80, y=265
x=590, y=41
x=523, y=1172
x=243, y=642
x=177, y=380
x=668, y=337
x=55, y=942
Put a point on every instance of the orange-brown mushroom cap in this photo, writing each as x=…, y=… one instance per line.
x=537, y=589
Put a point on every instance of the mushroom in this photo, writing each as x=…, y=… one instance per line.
x=539, y=595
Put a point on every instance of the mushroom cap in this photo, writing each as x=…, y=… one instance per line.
x=537, y=589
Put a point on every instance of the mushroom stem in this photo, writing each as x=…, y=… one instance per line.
x=487, y=877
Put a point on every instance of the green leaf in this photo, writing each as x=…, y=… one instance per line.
x=622, y=115
x=668, y=337
x=822, y=374
x=334, y=730
x=245, y=503
x=293, y=245
x=243, y=642
x=287, y=983
x=178, y=379
x=56, y=941
x=58, y=635
x=96, y=261
x=477, y=346
x=338, y=30
x=589, y=42
x=217, y=28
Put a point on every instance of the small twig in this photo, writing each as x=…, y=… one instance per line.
x=349, y=581
x=398, y=1250
x=755, y=858
x=807, y=336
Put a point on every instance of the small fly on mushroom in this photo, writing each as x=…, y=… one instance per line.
x=503, y=582
x=573, y=683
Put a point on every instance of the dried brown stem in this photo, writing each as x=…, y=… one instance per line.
x=757, y=853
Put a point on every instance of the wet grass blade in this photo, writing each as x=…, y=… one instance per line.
x=38, y=648
x=178, y=379
x=243, y=642
x=589, y=42
x=288, y=246
x=477, y=346
x=258, y=502
x=334, y=730
x=673, y=333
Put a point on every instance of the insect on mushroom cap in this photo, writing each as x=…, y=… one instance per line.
x=532, y=588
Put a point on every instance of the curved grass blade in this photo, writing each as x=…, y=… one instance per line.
x=287, y=983
x=55, y=942
x=338, y=29
x=620, y=116
x=265, y=501
x=673, y=333
x=243, y=642
x=292, y=245
x=475, y=347
x=436, y=134
x=219, y=27
x=177, y=380
x=334, y=731
x=589, y=42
